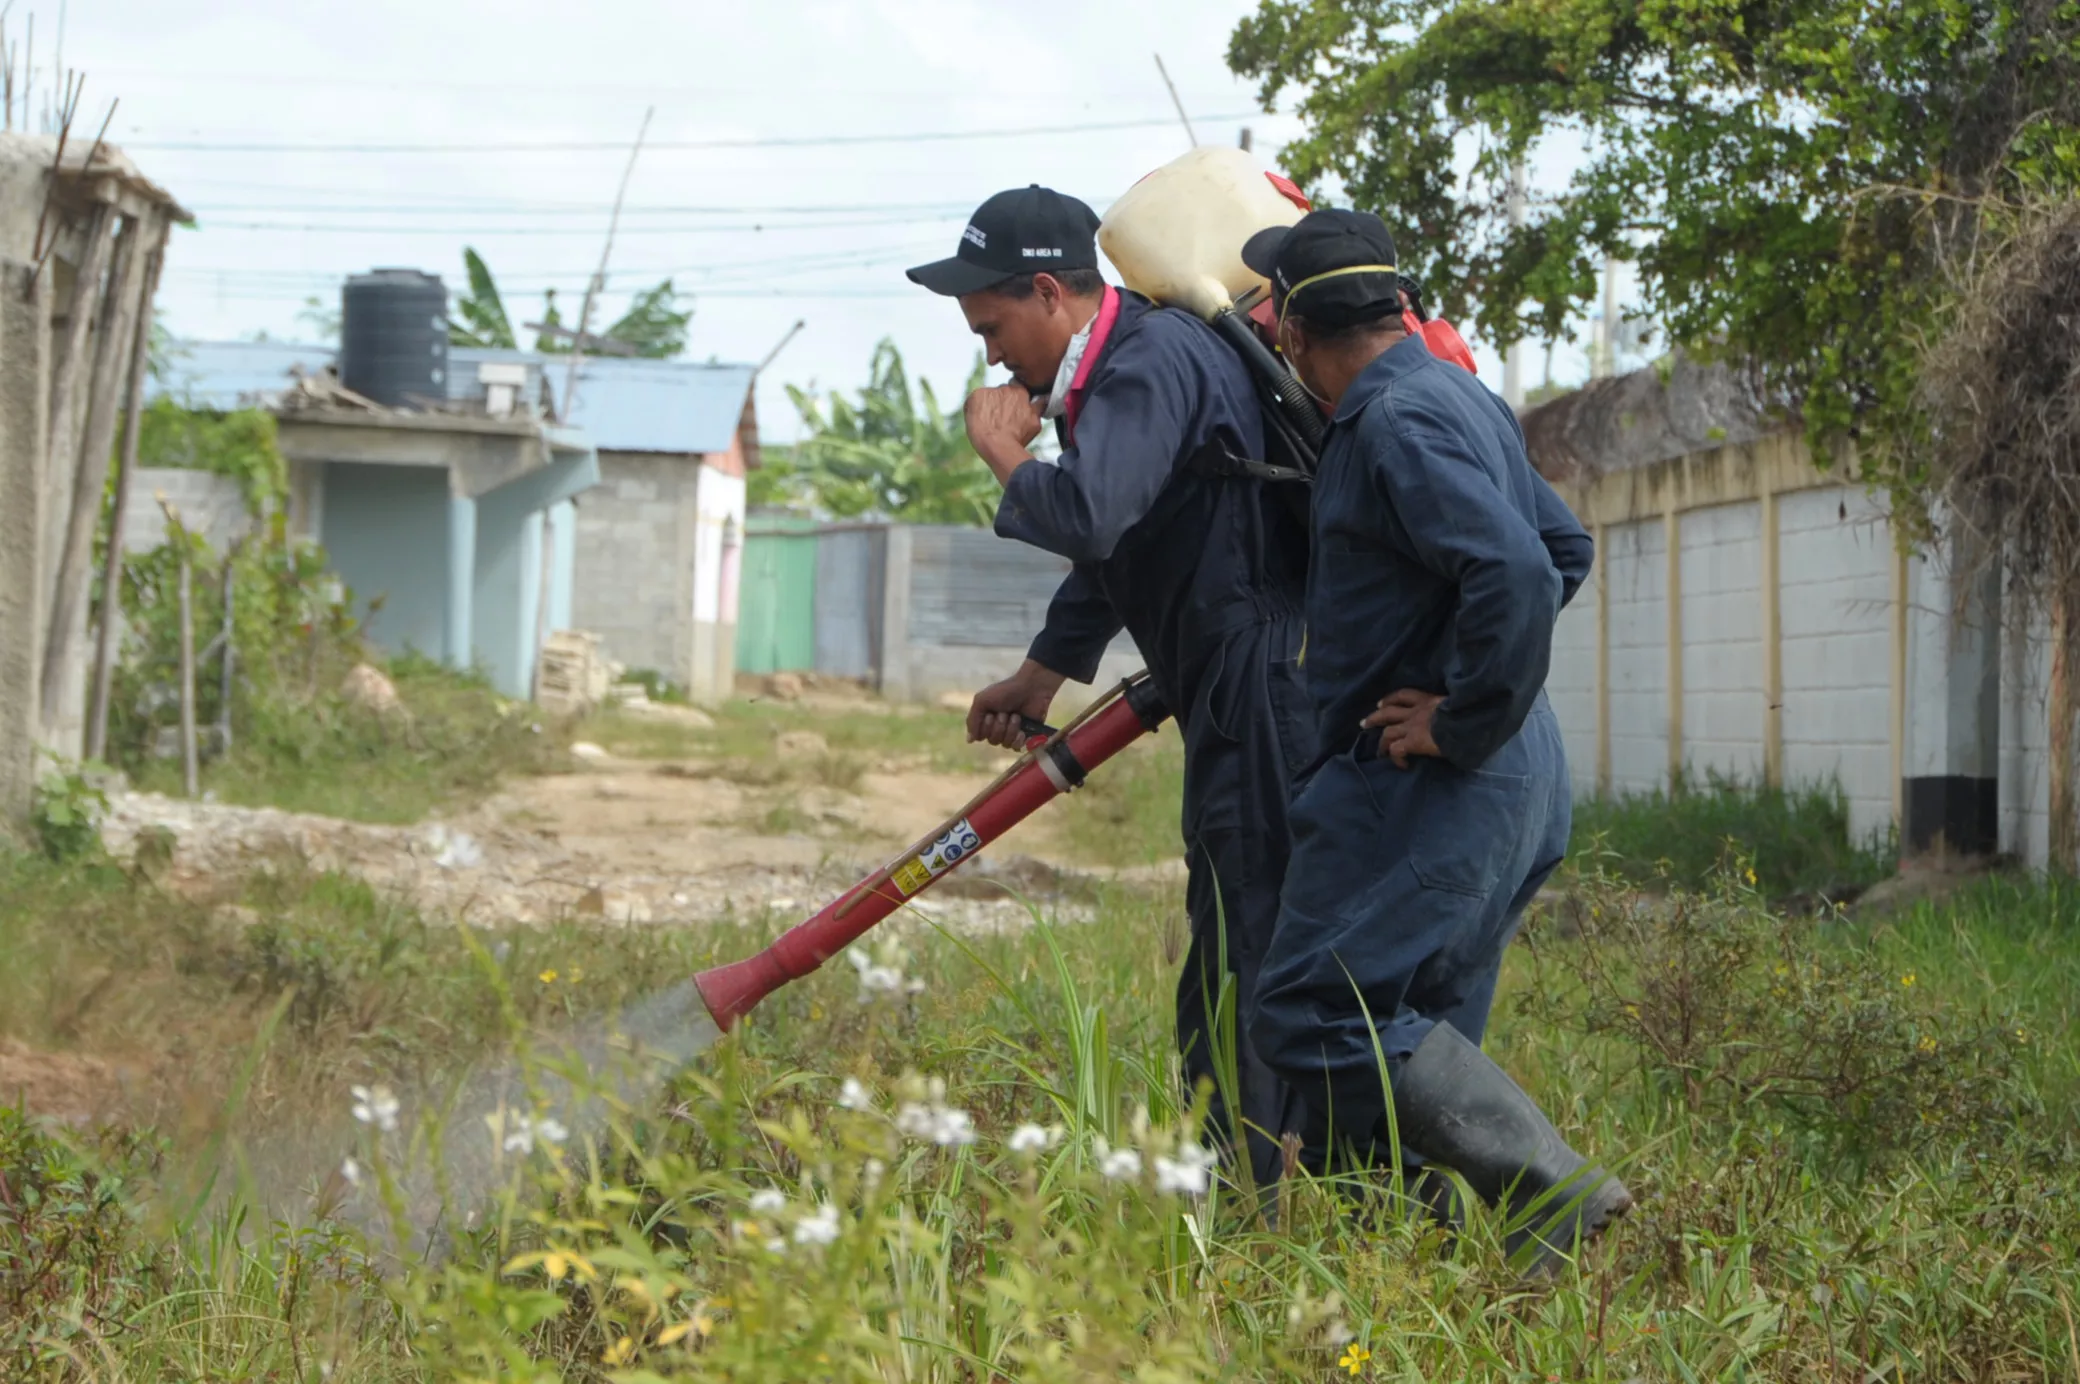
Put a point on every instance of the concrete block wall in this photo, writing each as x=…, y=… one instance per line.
x=1635, y=564
x=1837, y=647
x=2025, y=737
x=636, y=532
x=209, y=504
x=1836, y=562
x=1571, y=686
x=1719, y=551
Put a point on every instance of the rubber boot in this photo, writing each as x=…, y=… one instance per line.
x=1465, y=1113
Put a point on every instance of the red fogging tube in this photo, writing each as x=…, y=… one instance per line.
x=1047, y=770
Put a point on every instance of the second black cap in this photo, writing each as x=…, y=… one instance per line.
x=1339, y=264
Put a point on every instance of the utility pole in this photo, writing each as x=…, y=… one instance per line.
x=1513, y=358
x=1606, y=362
x=1184, y=119
x=599, y=278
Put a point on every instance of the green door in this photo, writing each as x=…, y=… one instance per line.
x=776, y=612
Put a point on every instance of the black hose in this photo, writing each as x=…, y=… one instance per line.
x=1294, y=401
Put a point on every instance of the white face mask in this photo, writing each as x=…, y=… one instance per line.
x=1286, y=352
x=1058, y=397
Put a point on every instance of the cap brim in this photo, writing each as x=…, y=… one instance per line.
x=1260, y=251
x=955, y=277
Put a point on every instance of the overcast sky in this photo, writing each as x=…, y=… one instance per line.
x=812, y=216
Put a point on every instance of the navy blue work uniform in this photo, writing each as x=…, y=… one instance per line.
x=1207, y=573
x=1441, y=562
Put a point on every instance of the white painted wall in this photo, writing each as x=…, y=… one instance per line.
x=718, y=501
x=1835, y=562
x=1571, y=686
x=1720, y=552
x=1636, y=565
x=2025, y=736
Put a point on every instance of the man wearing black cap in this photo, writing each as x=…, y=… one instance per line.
x=1439, y=798
x=1202, y=568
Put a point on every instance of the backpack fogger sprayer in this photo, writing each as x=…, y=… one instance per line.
x=1175, y=237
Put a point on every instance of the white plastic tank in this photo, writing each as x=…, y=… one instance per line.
x=1176, y=236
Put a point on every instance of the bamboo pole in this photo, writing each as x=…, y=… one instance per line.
x=227, y=657
x=126, y=469
x=191, y=775
x=89, y=469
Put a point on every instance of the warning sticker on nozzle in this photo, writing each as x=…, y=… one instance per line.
x=943, y=854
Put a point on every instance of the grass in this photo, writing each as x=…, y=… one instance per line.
x=1799, y=838
x=1776, y=1240
x=453, y=741
x=1854, y=1145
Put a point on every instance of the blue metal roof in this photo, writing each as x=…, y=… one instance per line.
x=234, y=374
x=658, y=405
x=623, y=405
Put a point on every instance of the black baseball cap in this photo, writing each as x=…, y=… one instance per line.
x=1339, y=263
x=1022, y=231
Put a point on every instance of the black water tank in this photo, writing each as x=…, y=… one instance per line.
x=393, y=337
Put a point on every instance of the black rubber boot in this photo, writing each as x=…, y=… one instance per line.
x=1464, y=1112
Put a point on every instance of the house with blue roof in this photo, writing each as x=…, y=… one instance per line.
x=640, y=543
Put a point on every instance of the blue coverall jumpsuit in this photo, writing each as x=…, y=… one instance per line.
x=1441, y=562
x=1207, y=573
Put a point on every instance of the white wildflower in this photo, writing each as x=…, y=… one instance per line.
x=819, y=1227
x=351, y=1171
x=776, y=1245
x=854, y=1095
x=936, y=1123
x=1118, y=1165
x=882, y=977
x=870, y=1173
x=914, y=986
x=953, y=1128
x=1188, y=1173
x=375, y=1105
x=1027, y=1138
x=520, y=1133
x=768, y=1200
x=1340, y=1334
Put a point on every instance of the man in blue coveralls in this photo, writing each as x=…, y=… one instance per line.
x=1205, y=570
x=1438, y=801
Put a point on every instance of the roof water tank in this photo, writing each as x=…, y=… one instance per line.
x=393, y=337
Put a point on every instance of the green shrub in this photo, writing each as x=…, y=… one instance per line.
x=66, y=815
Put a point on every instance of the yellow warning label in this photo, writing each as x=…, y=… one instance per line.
x=911, y=876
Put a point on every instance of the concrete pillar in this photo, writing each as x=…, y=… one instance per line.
x=462, y=574
x=24, y=398
x=895, y=614
x=1950, y=783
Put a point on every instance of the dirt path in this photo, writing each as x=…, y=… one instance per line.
x=638, y=841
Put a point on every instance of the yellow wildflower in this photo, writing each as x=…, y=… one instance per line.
x=619, y=1353
x=1927, y=1044
x=1354, y=1357
x=1751, y=874
x=577, y=974
x=1908, y=979
x=547, y=977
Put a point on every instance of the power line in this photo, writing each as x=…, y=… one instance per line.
x=322, y=228
x=579, y=208
x=596, y=146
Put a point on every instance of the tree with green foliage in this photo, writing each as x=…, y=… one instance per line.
x=654, y=327
x=887, y=454
x=479, y=318
x=1799, y=182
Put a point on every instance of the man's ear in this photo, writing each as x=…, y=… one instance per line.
x=1049, y=290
